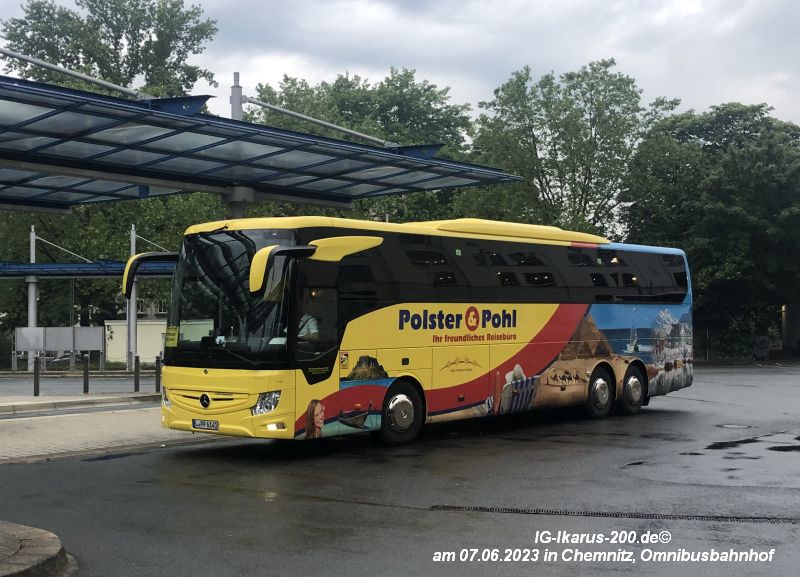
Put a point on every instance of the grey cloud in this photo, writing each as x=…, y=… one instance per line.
x=702, y=51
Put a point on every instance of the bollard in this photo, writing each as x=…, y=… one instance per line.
x=136, y=374
x=158, y=373
x=85, y=374
x=37, y=362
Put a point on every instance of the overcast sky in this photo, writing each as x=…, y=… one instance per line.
x=704, y=52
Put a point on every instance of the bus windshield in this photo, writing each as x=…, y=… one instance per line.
x=214, y=320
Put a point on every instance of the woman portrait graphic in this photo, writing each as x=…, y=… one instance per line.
x=315, y=419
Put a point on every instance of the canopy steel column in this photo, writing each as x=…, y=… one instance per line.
x=132, y=313
x=33, y=293
x=237, y=199
x=237, y=196
x=236, y=98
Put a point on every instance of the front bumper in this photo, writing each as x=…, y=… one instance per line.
x=227, y=397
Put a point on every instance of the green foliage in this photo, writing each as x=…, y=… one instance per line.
x=570, y=137
x=399, y=108
x=5, y=346
x=115, y=40
x=119, y=41
x=725, y=186
x=99, y=231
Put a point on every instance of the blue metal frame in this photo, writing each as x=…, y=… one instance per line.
x=97, y=269
x=92, y=145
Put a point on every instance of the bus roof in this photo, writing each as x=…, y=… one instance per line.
x=645, y=248
x=462, y=227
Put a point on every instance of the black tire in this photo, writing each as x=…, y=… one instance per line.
x=402, y=415
x=633, y=387
x=600, y=395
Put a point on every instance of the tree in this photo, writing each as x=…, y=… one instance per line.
x=570, y=137
x=115, y=40
x=399, y=108
x=119, y=41
x=725, y=186
x=95, y=232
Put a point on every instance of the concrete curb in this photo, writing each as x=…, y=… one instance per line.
x=55, y=405
x=117, y=450
x=31, y=552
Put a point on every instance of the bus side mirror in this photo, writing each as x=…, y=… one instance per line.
x=136, y=260
x=335, y=248
x=263, y=259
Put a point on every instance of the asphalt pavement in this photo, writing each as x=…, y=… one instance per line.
x=78, y=424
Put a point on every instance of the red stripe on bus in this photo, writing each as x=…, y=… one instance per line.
x=545, y=346
x=346, y=400
x=533, y=358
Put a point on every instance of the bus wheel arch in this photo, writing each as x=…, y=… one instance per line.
x=403, y=412
x=634, y=388
x=601, y=392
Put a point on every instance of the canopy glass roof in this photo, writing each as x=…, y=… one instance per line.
x=62, y=147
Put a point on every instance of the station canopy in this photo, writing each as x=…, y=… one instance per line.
x=96, y=269
x=61, y=147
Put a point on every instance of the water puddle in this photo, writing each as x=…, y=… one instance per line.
x=757, y=460
x=732, y=444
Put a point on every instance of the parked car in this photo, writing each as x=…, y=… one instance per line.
x=62, y=361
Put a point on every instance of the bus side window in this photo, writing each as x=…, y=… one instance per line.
x=316, y=322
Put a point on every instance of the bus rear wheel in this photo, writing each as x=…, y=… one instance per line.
x=632, y=391
x=402, y=415
x=601, y=393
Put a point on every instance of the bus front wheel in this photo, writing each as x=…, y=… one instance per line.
x=601, y=392
x=401, y=418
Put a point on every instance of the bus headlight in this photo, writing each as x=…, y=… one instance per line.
x=165, y=398
x=266, y=403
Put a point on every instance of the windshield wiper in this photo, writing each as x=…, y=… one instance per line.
x=237, y=355
x=194, y=352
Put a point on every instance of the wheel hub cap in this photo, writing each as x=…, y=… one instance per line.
x=634, y=389
x=400, y=412
x=601, y=392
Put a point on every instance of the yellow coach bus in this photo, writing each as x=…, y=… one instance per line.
x=304, y=327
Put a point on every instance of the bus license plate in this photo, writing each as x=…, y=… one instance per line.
x=205, y=425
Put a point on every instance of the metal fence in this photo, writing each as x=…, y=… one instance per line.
x=38, y=341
